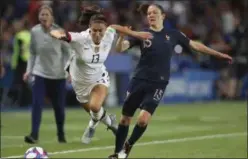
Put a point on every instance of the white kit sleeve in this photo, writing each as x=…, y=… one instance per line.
x=109, y=34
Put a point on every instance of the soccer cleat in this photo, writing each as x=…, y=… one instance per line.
x=88, y=135
x=125, y=151
x=113, y=127
x=114, y=156
x=122, y=155
x=30, y=140
x=61, y=139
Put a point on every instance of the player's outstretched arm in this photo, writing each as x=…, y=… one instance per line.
x=123, y=45
x=127, y=31
x=185, y=41
x=204, y=49
x=68, y=36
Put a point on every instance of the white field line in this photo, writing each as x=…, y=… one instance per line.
x=12, y=137
x=75, y=139
x=178, y=140
x=45, y=142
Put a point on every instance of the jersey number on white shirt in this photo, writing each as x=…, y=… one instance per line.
x=95, y=58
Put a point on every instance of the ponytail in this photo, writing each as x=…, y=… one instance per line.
x=142, y=9
x=87, y=12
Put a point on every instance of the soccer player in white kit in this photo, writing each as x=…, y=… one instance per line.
x=89, y=77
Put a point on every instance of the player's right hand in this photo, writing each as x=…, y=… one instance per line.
x=227, y=57
x=143, y=35
x=58, y=34
x=25, y=77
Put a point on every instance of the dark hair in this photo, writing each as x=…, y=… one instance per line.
x=87, y=12
x=98, y=18
x=144, y=7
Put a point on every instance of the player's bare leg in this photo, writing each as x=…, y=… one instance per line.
x=97, y=97
x=86, y=107
x=90, y=130
x=92, y=123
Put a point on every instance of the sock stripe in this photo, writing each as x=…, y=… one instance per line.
x=94, y=120
x=103, y=115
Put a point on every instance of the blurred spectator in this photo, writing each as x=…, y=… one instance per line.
x=6, y=50
x=226, y=81
x=239, y=41
x=2, y=70
x=34, y=5
x=45, y=69
x=227, y=17
x=21, y=8
x=19, y=60
x=226, y=84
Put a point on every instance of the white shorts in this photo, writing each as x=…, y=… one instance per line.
x=83, y=89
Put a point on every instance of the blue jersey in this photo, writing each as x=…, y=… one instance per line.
x=156, y=53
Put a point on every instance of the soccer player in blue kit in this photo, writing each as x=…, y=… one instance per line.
x=151, y=75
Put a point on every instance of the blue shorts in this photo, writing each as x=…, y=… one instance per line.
x=143, y=94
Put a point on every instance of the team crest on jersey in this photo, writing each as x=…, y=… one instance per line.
x=167, y=37
x=147, y=43
x=97, y=49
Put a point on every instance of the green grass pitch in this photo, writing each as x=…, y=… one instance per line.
x=199, y=130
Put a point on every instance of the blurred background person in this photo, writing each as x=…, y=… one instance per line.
x=46, y=64
x=5, y=55
x=2, y=69
x=19, y=60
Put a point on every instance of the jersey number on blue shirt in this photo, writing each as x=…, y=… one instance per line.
x=147, y=43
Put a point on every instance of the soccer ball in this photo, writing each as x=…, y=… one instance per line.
x=35, y=152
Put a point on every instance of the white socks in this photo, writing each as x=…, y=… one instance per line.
x=101, y=115
x=106, y=120
x=93, y=124
x=97, y=116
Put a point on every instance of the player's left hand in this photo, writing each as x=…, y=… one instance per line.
x=58, y=34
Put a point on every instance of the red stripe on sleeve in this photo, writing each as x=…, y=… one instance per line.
x=68, y=35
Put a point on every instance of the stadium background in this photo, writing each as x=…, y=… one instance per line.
x=221, y=25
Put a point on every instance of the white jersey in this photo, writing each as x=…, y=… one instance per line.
x=87, y=65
